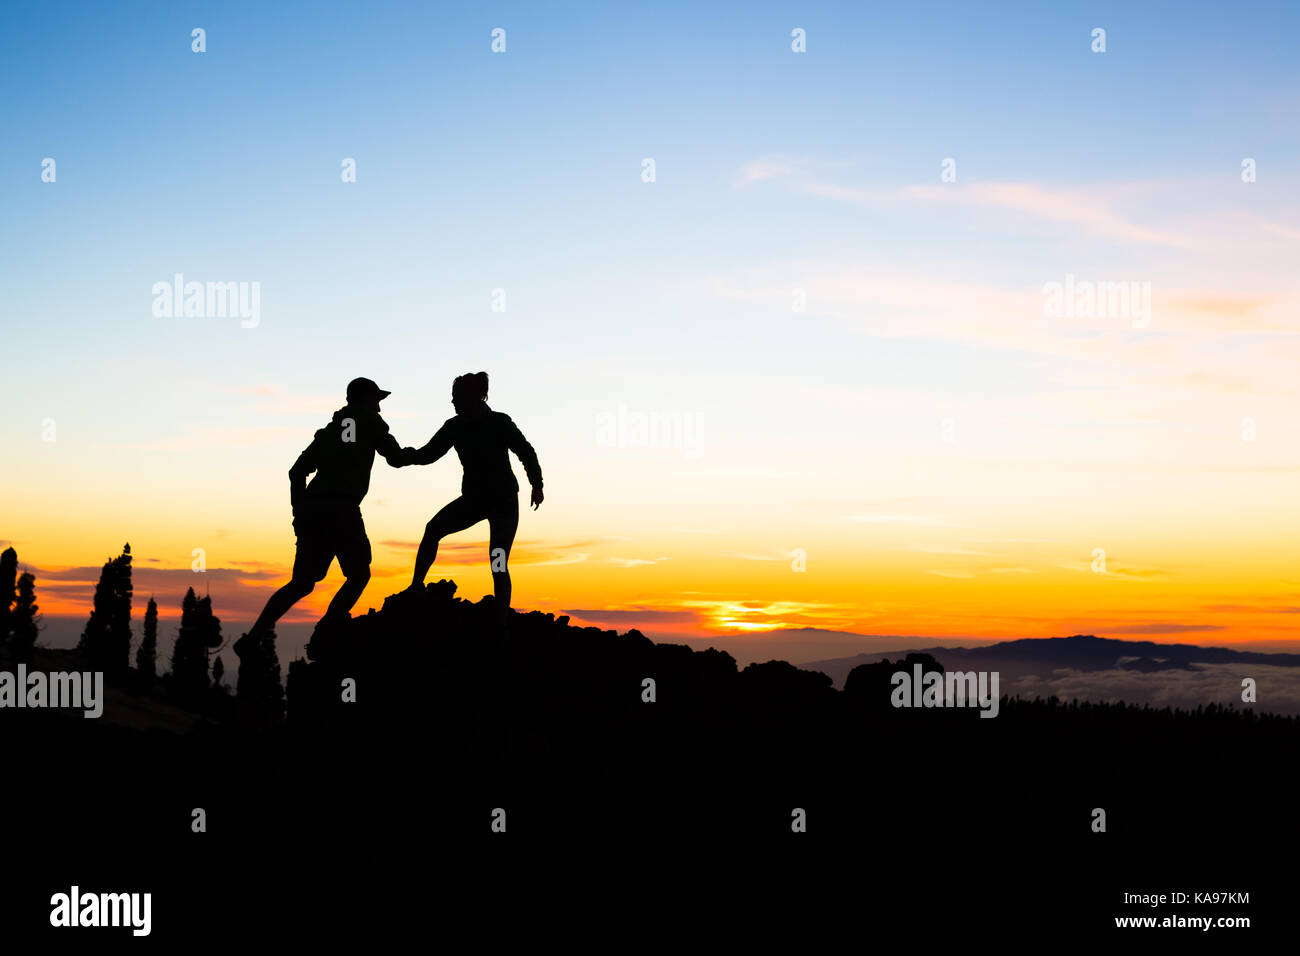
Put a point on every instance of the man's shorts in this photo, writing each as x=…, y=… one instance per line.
x=327, y=530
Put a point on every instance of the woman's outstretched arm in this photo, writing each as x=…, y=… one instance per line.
x=436, y=447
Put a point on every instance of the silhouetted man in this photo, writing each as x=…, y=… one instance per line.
x=327, y=511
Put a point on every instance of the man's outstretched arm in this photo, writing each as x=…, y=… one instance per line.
x=391, y=450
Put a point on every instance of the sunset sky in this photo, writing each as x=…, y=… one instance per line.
x=941, y=455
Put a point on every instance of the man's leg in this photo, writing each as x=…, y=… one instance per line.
x=348, y=593
x=280, y=602
x=354, y=561
x=311, y=561
x=456, y=516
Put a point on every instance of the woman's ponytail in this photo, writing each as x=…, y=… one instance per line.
x=470, y=386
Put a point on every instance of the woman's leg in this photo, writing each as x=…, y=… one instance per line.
x=503, y=521
x=457, y=516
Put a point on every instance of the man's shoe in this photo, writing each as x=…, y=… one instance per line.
x=332, y=624
x=326, y=636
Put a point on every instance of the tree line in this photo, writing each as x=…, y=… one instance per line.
x=196, y=671
x=19, y=617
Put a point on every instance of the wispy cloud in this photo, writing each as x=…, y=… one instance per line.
x=771, y=556
x=926, y=549
x=746, y=615
x=1142, y=573
x=1259, y=608
x=270, y=399
x=215, y=438
x=1277, y=229
x=523, y=553
x=1088, y=209
x=1136, y=573
x=625, y=616
x=767, y=168
x=1160, y=627
x=1083, y=208
x=935, y=520
x=237, y=593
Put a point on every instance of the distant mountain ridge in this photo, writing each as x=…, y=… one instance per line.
x=1088, y=667
x=1084, y=651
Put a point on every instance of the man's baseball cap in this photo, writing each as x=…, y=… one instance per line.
x=363, y=388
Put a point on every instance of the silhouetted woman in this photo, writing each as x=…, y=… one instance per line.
x=489, y=490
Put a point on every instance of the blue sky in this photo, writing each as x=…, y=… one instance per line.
x=522, y=171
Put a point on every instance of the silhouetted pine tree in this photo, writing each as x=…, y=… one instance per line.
x=107, y=637
x=24, y=622
x=199, y=630
x=146, y=657
x=8, y=574
x=258, y=686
